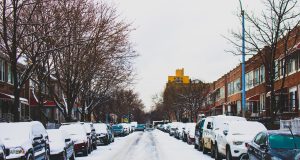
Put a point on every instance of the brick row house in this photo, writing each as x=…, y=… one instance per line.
x=28, y=98
x=6, y=92
x=225, y=93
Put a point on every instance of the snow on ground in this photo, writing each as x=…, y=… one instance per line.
x=148, y=145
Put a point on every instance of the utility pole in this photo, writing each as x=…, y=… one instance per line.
x=243, y=62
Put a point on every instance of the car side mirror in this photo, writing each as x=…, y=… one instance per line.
x=225, y=132
x=263, y=146
x=68, y=140
x=88, y=134
x=209, y=126
x=93, y=130
x=37, y=138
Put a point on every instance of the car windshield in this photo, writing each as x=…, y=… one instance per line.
x=100, y=128
x=280, y=141
x=54, y=135
x=117, y=127
x=73, y=129
x=141, y=125
x=14, y=131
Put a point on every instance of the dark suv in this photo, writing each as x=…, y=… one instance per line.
x=274, y=144
x=25, y=140
x=198, y=134
x=3, y=152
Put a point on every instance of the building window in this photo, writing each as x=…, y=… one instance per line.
x=222, y=92
x=293, y=99
x=2, y=70
x=262, y=101
x=291, y=66
x=249, y=80
x=237, y=85
x=9, y=74
x=262, y=74
x=256, y=77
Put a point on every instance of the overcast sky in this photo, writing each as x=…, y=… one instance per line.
x=172, y=34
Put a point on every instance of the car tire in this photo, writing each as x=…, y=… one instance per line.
x=205, y=151
x=29, y=157
x=64, y=155
x=200, y=146
x=86, y=151
x=73, y=156
x=217, y=154
x=228, y=154
x=212, y=151
x=195, y=146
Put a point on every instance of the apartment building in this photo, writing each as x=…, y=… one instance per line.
x=225, y=94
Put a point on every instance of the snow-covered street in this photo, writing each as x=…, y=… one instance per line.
x=148, y=145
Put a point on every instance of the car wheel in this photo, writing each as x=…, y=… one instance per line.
x=64, y=155
x=86, y=151
x=29, y=156
x=73, y=156
x=228, y=154
x=212, y=151
x=205, y=151
x=195, y=146
x=200, y=146
x=217, y=154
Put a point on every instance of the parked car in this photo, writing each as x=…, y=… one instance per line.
x=186, y=128
x=190, y=133
x=275, y=145
x=91, y=130
x=198, y=134
x=179, y=131
x=111, y=133
x=140, y=127
x=232, y=143
x=61, y=145
x=133, y=125
x=217, y=127
x=3, y=152
x=118, y=130
x=25, y=140
x=126, y=128
x=173, y=127
x=79, y=136
x=102, y=134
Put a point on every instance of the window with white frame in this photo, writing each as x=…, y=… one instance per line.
x=277, y=69
x=262, y=101
x=256, y=77
x=262, y=74
x=249, y=80
x=9, y=74
x=222, y=92
x=2, y=70
x=237, y=85
x=291, y=66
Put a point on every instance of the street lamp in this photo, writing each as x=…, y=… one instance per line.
x=243, y=61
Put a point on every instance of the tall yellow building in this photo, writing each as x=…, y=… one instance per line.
x=179, y=77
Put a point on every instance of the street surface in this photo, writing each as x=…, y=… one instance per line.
x=148, y=145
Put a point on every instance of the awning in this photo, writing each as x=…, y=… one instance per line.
x=34, y=103
x=4, y=96
x=253, y=98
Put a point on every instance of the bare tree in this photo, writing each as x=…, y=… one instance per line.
x=271, y=34
x=25, y=25
x=95, y=39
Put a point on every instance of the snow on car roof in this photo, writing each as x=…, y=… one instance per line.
x=55, y=134
x=100, y=127
x=247, y=127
